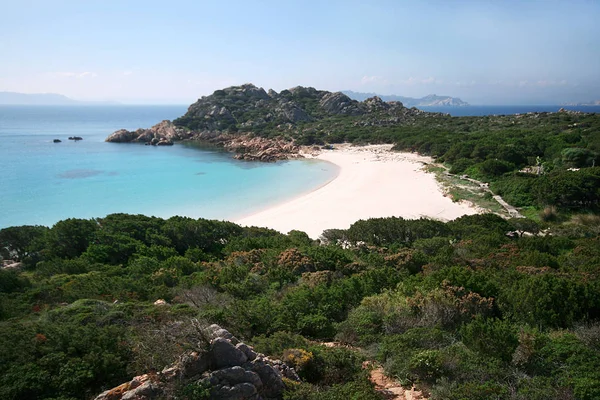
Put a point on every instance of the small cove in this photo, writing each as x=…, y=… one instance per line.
x=43, y=182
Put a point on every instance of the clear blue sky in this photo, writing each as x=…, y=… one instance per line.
x=486, y=52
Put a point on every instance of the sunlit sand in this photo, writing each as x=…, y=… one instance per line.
x=373, y=182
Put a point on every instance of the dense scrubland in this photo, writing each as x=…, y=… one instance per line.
x=477, y=308
x=458, y=308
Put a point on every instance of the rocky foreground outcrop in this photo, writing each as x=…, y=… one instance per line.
x=228, y=368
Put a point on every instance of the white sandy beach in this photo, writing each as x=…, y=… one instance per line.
x=373, y=182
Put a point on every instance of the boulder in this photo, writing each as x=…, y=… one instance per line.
x=339, y=103
x=226, y=354
x=273, y=385
x=147, y=390
x=293, y=113
x=250, y=354
x=236, y=375
x=240, y=391
x=192, y=364
x=375, y=104
x=122, y=136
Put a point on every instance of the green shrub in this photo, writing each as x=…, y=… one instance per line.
x=360, y=389
x=278, y=342
x=447, y=390
x=426, y=366
x=491, y=337
x=331, y=366
x=194, y=391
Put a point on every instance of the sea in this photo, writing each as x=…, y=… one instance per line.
x=477, y=111
x=42, y=182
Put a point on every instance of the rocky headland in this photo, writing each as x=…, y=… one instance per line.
x=269, y=126
x=224, y=367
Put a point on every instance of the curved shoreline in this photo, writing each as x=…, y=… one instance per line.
x=287, y=200
x=372, y=182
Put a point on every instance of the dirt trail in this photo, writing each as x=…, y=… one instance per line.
x=388, y=387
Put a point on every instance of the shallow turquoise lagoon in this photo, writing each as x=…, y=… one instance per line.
x=42, y=182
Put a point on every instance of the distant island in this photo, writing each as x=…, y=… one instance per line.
x=427, y=101
x=45, y=99
x=585, y=103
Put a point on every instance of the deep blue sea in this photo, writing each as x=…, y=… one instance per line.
x=42, y=182
x=504, y=110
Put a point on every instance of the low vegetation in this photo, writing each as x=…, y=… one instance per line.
x=460, y=309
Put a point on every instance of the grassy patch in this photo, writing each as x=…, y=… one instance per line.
x=460, y=189
x=531, y=213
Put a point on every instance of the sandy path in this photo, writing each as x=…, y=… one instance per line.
x=373, y=182
x=388, y=387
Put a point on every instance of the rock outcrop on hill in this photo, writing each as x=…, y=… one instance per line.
x=228, y=369
x=260, y=125
x=247, y=107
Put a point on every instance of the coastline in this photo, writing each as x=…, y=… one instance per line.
x=372, y=182
x=286, y=200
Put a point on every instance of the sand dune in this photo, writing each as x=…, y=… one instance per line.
x=372, y=182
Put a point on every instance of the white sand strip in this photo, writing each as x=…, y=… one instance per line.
x=373, y=182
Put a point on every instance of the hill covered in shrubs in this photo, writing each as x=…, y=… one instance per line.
x=461, y=309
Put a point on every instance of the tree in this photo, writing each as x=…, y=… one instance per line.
x=575, y=157
x=524, y=225
x=69, y=238
x=18, y=242
x=493, y=168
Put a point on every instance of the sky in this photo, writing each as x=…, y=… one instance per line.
x=164, y=52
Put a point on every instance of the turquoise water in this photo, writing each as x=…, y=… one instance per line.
x=42, y=182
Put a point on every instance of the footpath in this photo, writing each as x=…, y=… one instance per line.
x=390, y=388
x=512, y=211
